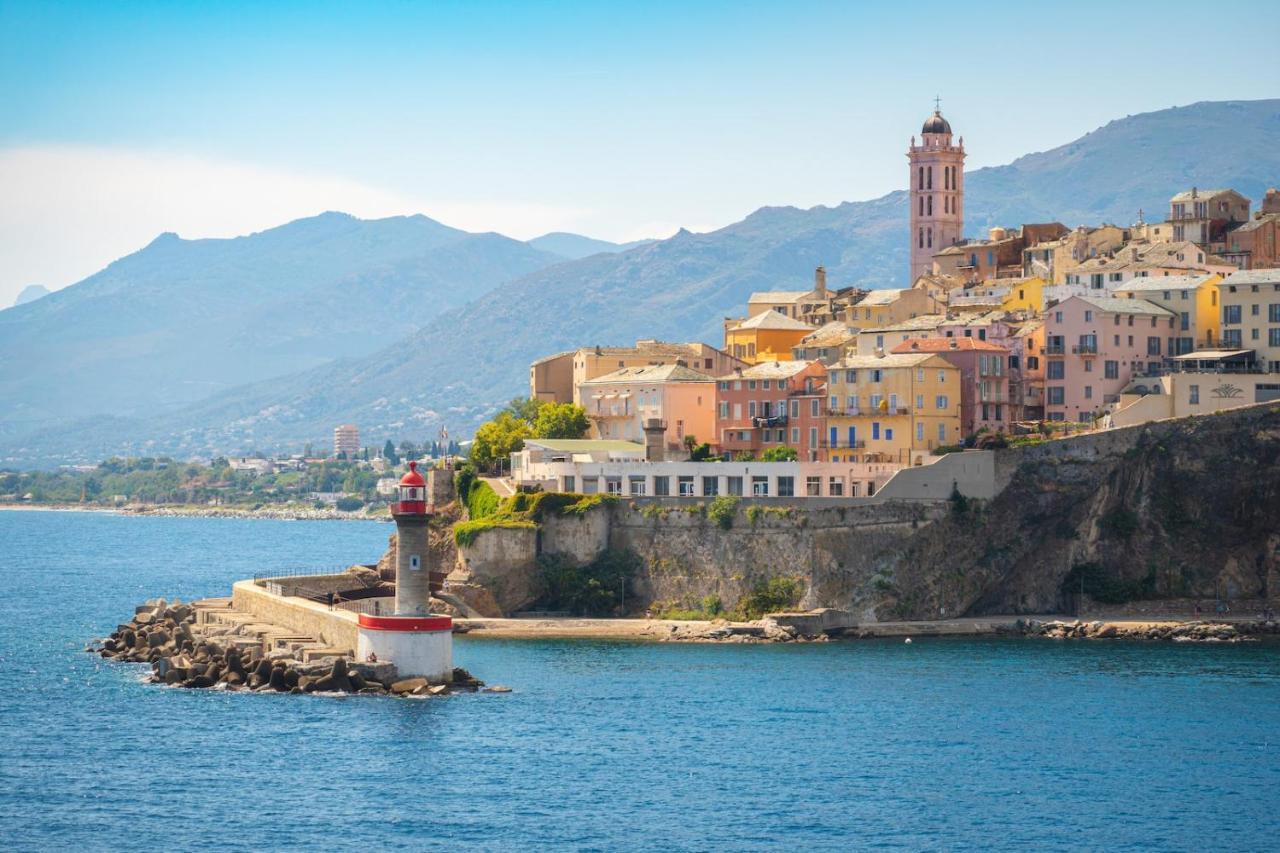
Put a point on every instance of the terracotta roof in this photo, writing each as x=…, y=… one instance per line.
x=942, y=346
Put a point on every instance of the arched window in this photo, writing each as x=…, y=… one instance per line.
x=922, y=205
x=931, y=205
x=946, y=177
x=921, y=238
x=920, y=179
x=929, y=183
x=930, y=238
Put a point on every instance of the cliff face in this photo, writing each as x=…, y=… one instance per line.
x=1187, y=508
x=1179, y=509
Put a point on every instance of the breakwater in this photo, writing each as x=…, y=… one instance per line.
x=190, y=645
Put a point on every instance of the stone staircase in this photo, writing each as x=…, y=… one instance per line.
x=219, y=621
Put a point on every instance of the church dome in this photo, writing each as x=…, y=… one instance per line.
x=936, y=124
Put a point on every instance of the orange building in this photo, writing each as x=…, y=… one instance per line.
x=768, y=336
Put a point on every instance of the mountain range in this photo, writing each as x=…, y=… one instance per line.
x=401, y=334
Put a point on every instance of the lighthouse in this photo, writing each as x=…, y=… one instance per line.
x=417, y=641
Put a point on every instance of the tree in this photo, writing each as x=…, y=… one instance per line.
x=497, y=439
x=780, y=454
x=560, y=420
x=524, y=408
x=389, y=453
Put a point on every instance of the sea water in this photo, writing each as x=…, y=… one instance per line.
x=939, y=744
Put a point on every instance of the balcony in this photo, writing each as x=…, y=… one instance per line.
x=843, y=412
x=1054, y=349
x=1084, y=349
x=827, y=444
x=600, y=416
x=769, y=421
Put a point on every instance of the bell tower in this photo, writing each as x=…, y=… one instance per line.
x=937, y=192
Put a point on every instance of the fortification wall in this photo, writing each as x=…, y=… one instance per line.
x=337, y=628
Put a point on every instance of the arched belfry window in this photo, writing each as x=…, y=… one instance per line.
x=920, y=179
x=929, y=182
x=922, y=205
x=931, y=205
x=930, y=238
x=921, y=238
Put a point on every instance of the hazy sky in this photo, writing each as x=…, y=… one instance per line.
x=121, y=120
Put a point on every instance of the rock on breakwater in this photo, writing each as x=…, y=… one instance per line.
x=1178, y=632
x=183, y=653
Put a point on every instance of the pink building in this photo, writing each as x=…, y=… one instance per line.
x=984, y=378
x=618, y=404
x=778, y=403
x=1009, y=330
x=1093, y=345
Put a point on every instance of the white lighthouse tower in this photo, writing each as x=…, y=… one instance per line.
x=417, y=641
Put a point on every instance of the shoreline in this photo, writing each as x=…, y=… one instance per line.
x=1189, y=629
x=182, y=511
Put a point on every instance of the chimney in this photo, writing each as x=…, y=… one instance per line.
x=820, y=280
x=655, y=431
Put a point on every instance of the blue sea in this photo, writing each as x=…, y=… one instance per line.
x=940, y=744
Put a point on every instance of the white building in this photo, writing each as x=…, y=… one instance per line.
x=620, y=468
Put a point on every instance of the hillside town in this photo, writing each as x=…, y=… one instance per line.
x=1026, y=333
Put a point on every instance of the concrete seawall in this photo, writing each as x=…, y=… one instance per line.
x=336, y=628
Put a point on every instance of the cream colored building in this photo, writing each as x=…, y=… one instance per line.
x=1251, y=315
x=556, y=378
x=887, y=337
x=827, y=343
x=1052, y=260
x=881, y=308
x=1177, y=395
x=891, y=408
x=804, y=305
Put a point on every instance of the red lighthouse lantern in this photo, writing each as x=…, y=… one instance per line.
x=412, y=497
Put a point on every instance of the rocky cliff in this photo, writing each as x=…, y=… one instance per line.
x=1171, y=510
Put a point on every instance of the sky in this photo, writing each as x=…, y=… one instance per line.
x=122, y=120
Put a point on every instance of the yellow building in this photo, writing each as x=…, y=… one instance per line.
x=1251, y=315
x=768, y=336
x=1004, y=294
x=1192, y=299
x=891, y=408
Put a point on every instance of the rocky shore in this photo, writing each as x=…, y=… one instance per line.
x=722, y=631
x=185, y=654
x=1177, y=632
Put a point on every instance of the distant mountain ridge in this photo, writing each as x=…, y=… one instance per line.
x=470, y=358
x=31, y=293
x=576, y=246
x=181, y=319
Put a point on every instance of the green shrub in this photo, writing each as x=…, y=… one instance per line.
x=482, y=500
x=712, y=606
x=947, y=448
x=959, y=503
x=596, y=589
x=465, y=532
x=780, y=454
x=1101, y=586
x=1120, y=523
x=700, y=453
x=347, y=503
x=462, y=480
x=722, y=510
x=753, y=514
x=769, y=596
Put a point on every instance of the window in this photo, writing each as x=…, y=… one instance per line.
x=1033, y=363
x=888, y=433
x=795, y=435
x=1230, y=313
x=942, y=433
x=737, y=411
x=919, y=401
x=1055, y=369
x=875, y=402
x=1088, y=316
x=735, y=486
x=795, y=408
x=875, y=430
x=813, y=436
x=613, y=485
x=1195, y=394
x=941, y=403
x=942, y=376
x=1057, y=316
x=1088, y=392
x=835, y=487
x=1055, y=395
x=1111, y=369
x=590, y=485
x=661, y=486
x=751, y=408
x=635, y=484
x=710, y=486
x=814, y=406
x=1231, y=338
x=1153, y=346
x=1185, y=319
x=569, y=484
x=760, y=487
x=686, y=487
x=786, y=487
x=813, y=487
x=919, y=374
x=920, y=431
x=751, y=385
x=1273, y=337
x=724, y=410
